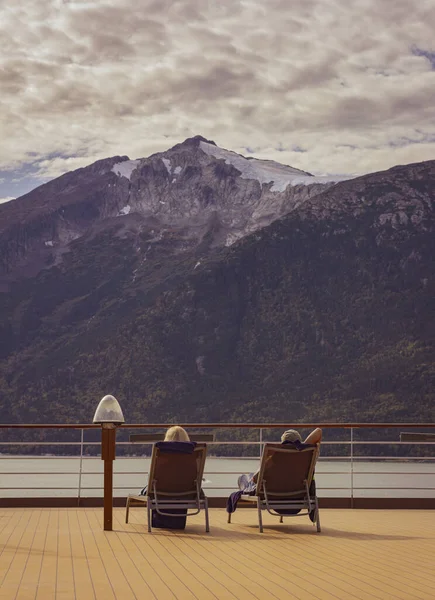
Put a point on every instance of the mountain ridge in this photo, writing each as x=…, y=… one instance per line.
x=185, y=187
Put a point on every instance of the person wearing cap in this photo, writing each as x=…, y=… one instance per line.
x=290, y=436
x=248, y=483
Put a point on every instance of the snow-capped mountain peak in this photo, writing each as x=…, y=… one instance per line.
x=198, y=192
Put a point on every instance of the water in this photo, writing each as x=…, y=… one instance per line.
x=59, y=476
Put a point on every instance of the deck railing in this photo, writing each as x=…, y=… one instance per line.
x=351, y=448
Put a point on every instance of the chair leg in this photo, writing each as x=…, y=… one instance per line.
x=281, y=519
x=260, y=518
x=229, y=518
x=318, y=517
x=149, y=514
x=127, y=510
x=207, y=522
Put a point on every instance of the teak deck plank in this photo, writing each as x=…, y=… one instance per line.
x=64, y=554
x=15, y=556
x=84, y=587
x=65, y=582
x=32, y=571
x=118, y=581
x=101, y=585
x=159, y=576
x=48, y=574
x=160, y=559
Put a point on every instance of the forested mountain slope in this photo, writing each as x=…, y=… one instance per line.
x=325, y=314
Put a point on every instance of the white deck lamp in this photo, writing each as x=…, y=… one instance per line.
x=109, y=416
x=109, y=411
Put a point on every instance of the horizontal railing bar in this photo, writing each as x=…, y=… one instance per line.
x=55, y=426
x=48, y=457
x=205, y=487
x=394, y=488
x=54, y=473
x=46, y=488
x=129, y=487
x=405, y=459
x=50, y=443
x=278, y=425
x=221, y=425
x=376, y=473
x=222, y=443
x=212, y=473
x=380, y=443
x=318, y=488
x=226, y=443
x=324, y=443
x=383, y=458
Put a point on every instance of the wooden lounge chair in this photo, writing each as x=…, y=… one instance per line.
x=174, y=484
x=284, y=482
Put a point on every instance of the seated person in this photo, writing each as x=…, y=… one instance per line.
x=178, y=520
x=289, y=436
x=248, y=483
x=173, y=434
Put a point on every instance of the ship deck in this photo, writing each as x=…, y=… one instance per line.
x=63, y=553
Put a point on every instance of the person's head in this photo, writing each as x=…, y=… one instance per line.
x=291, y=435
x=177, y=434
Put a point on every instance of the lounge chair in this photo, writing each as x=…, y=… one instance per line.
x=284, y=482
x=174, y=483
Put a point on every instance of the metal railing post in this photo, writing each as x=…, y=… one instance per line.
x=261, y=442
x=79, y=490
x=351, y=468
x=108, y=451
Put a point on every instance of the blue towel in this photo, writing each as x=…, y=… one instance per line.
x=249, y=489
x=176, y=447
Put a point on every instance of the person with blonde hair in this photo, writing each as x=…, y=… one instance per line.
x=173, y=518
x=176, y=434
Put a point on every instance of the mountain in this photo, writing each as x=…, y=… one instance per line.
x=196, y=192
x=201, y=285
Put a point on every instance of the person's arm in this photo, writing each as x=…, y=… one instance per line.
x=315, y=437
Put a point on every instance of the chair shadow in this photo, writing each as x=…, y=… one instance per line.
x=216, y=532
x=355, y=535
x=240, y=530
x=334, y=533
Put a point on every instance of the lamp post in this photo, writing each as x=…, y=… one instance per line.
x=109, y=416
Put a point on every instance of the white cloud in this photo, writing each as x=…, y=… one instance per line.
x=52, y=167
x=7, y=199
x=346, y=81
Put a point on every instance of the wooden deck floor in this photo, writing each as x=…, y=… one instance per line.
x=64, y=554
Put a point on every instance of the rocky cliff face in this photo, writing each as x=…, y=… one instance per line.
x=196, y=191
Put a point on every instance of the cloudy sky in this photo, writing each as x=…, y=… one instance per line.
x=328, y=86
